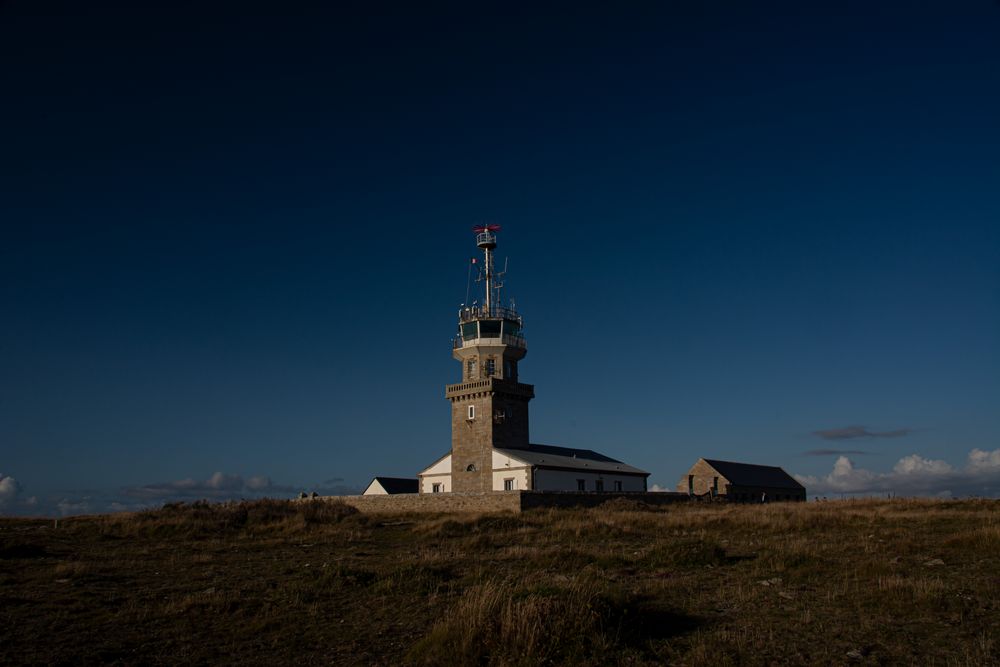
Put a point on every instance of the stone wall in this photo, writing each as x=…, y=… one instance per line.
x=704, y=481
x=409, y=503
x=502, y=501
x=472, y=443
x=535, y=499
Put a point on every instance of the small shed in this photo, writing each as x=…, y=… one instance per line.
x=382, y=486
x=740, y=482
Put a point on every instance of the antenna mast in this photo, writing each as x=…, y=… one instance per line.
x=487, y=240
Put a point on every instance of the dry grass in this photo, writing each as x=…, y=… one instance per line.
x=853, y=582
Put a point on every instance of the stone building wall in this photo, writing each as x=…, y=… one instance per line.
x=409, y=503
x=503, y=501
x=704, y=476
x=472, y=444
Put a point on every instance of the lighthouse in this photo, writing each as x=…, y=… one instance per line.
x=489, y=407
x=490, y=446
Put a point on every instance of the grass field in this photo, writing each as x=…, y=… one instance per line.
x=274, y=582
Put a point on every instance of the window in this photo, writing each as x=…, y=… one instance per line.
x=489, y=328
x=472, y=412
x=470, y=468
x=618, y=486
x=690, y=485
x=491, y=367
x=715, y=486
x=508, y=484
x=581, y=485
x=472, y=369
x=508, y=369
x=436, y=488
x=599, y=485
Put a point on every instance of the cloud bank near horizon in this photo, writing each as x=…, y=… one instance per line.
x=913, y=475
x=853, y=432
x=220, y=487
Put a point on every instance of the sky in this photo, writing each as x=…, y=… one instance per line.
x=235, y=237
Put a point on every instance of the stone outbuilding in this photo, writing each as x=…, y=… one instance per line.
x=387, y=486
x=740, y=482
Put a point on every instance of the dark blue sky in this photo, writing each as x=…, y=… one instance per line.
x=235, y=238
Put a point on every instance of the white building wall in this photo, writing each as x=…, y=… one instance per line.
x=375, y=489
x=442, y=467
x=427, y=483
x=566, y=480
x=438, y=473
x=519, y=475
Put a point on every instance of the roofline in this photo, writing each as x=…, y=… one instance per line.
x=545, y=466
x=755, y=465
x=556, y=467
x=741, y=463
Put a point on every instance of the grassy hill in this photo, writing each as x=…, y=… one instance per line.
x=274, y=582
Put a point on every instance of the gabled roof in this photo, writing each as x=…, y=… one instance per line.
x=568, y=457
x=397, y=484
x=750, y=474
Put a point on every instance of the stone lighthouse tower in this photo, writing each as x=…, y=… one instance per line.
x=489, y=407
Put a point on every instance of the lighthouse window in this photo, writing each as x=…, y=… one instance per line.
x=469, y=330
x=491, y=367
x=511, y=328
x=472, y=369
x=472, y=412
x=489, y=328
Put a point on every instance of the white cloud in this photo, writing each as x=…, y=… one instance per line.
x=259, y=483
x=980, y=460
x=656, y=488
x=9, y=491
x=220, y=486
x=913, y=475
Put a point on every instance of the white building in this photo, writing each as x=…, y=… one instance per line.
x=544, y=468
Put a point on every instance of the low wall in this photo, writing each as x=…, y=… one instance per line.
x=497, y=501
x=408, y=503
x=535, y=499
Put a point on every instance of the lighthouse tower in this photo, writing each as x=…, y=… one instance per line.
x=489, y=407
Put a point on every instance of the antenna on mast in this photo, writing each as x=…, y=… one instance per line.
x=486, y=239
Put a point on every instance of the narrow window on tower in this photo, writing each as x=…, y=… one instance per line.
x=491, y=367
x=472, y=369
x=472, y=412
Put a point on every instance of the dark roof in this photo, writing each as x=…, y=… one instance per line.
x=569, y=457
x=750, y=474
x=398, y=484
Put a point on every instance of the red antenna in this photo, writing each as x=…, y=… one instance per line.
x=486, y=228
